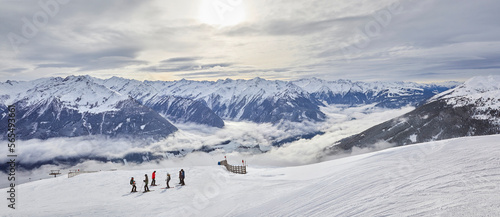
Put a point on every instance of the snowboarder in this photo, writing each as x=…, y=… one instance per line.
x=132, y=182
x=168, y=180
x=153, y=181
x=182, y=176
x=146, y=181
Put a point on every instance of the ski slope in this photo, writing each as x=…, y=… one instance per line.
x=457, y=177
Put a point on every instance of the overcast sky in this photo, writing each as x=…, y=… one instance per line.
x=363, y=40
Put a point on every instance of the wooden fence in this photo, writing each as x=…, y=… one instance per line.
x=234, y=169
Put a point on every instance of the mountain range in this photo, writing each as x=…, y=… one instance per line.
x=77, y=106
x=471, y=109
x=118, y=107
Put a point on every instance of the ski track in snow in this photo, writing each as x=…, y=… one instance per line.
x=457, y=177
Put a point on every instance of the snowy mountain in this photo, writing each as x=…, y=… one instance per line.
x=418, y=180
x=471, y=109
x=480, y=93
x=83, y=105
x=175, y=108
x=76, y=106
x=384, y=94
x=259, y=100
x=255, y=100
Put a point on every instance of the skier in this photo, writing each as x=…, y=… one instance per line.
x=168, y=180
x=153, y=181
x=132, y=182
x=180, y=176
x=183, y=176
x=146, y=181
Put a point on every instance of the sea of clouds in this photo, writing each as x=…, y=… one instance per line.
x=342, y=121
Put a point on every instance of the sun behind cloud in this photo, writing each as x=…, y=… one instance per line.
x=222, y=13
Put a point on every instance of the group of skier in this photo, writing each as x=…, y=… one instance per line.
x=153, y=181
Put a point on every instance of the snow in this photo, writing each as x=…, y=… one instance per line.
x=458, y=177
x=231, y=92
x=482, y=92
x=222, y=93
x=413, y=138
x=94, y=95
x=75, y=92
x=342, y=87
x=118, y=126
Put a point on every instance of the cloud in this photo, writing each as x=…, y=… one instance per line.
x=185, y=67
x=480, y=62
x=239, y=140
x=111, y=62
x=292, y=27
x=363, y=40
x=35, y=150
x=341, y=123
x=55, y=65
x=180, y=59
x=173, y=165
x=14, y=70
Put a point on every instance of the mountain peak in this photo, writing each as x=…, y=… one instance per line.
x=10, y=82
x=257, y=80
x=483, y=83
x=474, y=88
x=482, y=93
x=78, y=78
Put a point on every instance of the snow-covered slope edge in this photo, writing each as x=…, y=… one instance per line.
x=457, y=177
x=471, y=109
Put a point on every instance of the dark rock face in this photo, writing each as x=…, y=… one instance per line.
x=269, y=110
x=273, y=111
x=48, y=119
x=183, y=110
x=433, y=121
